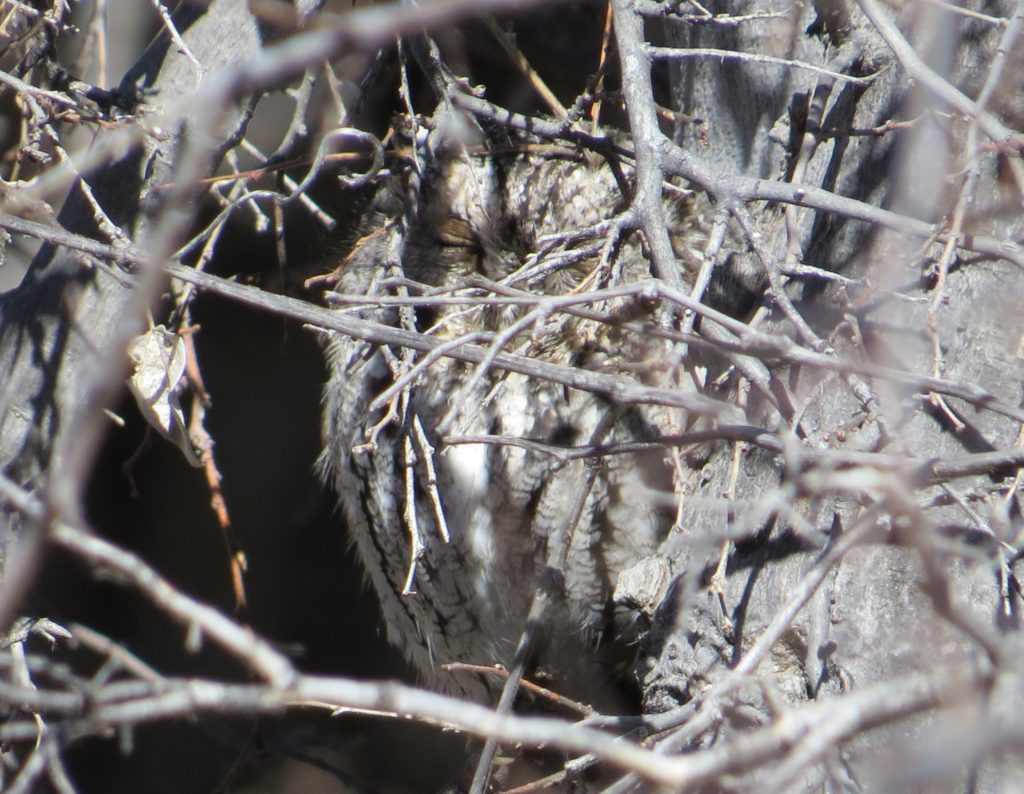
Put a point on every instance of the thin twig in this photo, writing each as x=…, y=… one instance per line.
x=680, y=53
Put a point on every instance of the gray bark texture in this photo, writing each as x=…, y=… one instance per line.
x=674, y=362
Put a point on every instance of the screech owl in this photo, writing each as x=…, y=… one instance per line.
x=483, y=514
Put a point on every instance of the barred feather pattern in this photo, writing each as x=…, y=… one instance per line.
x=465, y=597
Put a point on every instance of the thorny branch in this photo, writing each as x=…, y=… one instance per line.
x=131, y=703
x=750, y=341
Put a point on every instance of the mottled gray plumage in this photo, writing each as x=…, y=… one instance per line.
x=489, y=217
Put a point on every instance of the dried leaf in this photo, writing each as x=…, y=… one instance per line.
x=159, y=358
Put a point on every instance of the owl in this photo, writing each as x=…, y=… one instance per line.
x=463, y=485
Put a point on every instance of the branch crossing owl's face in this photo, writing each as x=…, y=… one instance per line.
x=543, y=223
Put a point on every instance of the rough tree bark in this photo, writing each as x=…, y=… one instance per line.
x=837, y=606
x=927, y=594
